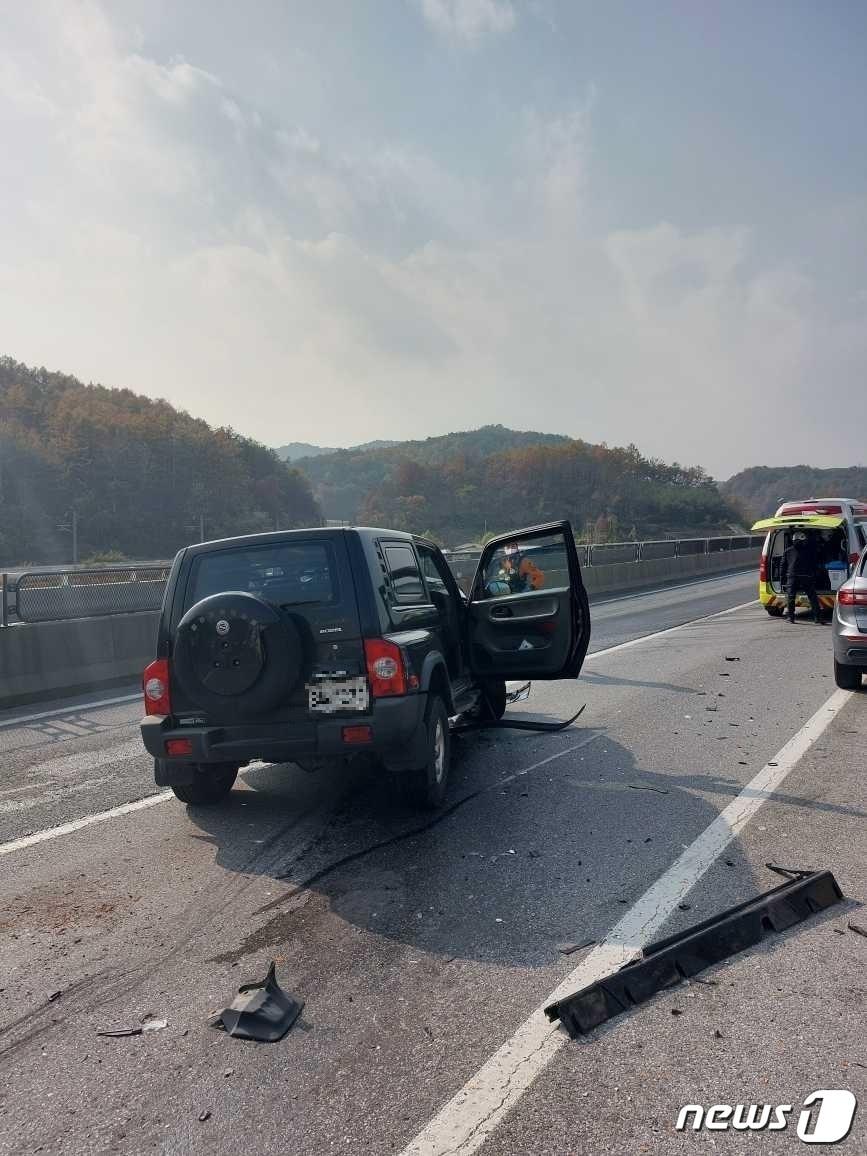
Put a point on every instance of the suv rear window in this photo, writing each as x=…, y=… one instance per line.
x=286, y=573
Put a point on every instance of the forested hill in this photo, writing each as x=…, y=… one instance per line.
x=457, y=487
x=343, y=479
x=138, y=473
x=761, y=489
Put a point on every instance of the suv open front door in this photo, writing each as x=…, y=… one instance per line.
x=528, y=615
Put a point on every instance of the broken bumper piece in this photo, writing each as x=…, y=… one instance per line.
x=667, y=962
x=260, y=1011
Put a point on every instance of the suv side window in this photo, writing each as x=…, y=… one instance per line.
x=405, y=574
x=523, y=568
x=432, y=573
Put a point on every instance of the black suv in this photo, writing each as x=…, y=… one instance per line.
x=306, y=646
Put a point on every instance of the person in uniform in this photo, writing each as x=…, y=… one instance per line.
x=799, y=573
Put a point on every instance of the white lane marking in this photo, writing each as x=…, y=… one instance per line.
x=87, y=821
x=9, y=806
x=28, y=787
x=64, y=766
x=22, y=720
x=469, y=1118
x=671, y=589
x=668, y=630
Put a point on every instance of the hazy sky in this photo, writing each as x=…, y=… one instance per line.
x=336, y=220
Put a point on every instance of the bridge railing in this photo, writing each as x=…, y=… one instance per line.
x=55, y=595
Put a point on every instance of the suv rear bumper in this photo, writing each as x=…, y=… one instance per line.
x=397, y=737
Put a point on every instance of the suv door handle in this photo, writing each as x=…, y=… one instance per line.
x=501, y=612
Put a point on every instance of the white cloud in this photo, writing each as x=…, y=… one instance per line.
x=468, y=20
x=177, y=242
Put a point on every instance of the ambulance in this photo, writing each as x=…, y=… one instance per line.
x=840, y=528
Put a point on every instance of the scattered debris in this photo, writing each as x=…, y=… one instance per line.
x=54, y=995
x=704, y=982
x=206, y=1115
x=571, y=948
x=724, y=674
x=858, y=929
x=261, y=1011
x=119, y=1033
x=729, y=862
x=647, y=787
x=732, y=658
x=676, y=1011
x=668, y=961
x=839, y=931
x=649, y=839
x=229, y=1072
x=498, y=920
x=152, y=1024
x=717, y=1035
x=684, y=907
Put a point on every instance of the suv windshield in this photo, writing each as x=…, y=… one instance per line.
x=285, y=573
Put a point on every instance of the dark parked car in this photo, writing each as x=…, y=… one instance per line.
x=307, y=646
x=850, y=628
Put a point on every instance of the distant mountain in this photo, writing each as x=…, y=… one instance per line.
x=761, y=489
x=296, y=450
x=460, y=485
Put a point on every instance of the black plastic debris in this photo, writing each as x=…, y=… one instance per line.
x=516, y=724
x=669, y=961
x=260, y=1011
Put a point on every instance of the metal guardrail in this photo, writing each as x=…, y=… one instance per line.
x=48, y=596
x=52, y=595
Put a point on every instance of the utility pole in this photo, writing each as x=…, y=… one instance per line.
x=201, y=527
x=72, y=525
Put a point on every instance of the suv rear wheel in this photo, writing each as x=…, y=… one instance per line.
x=212, y=783
x=847, y=677
x=427, y=785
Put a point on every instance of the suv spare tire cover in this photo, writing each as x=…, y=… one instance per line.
x=236, y=655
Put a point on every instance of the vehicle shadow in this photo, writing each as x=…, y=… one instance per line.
x=545, y=840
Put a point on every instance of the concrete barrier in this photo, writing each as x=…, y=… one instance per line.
x=44, y=660
x=613, y=579
x=51, y=659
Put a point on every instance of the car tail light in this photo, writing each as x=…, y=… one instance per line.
x=179, y=746
x=155, y=684
x=853, y=558
x=385, y=668
x=852, y=597
x=763, y=568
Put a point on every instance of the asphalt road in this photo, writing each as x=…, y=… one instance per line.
x=423, y=961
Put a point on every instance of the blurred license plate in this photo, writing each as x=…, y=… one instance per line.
x=327, y=695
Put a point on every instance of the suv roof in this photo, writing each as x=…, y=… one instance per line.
x=308, y=532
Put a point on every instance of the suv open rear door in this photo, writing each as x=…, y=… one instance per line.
x=528, y=615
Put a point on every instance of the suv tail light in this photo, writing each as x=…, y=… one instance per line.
x=385, y=668
x=155, y=684
x=852, y=597
x=763, y=568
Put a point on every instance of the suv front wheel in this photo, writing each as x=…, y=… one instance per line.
x=428, y=784
x=212, y=783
